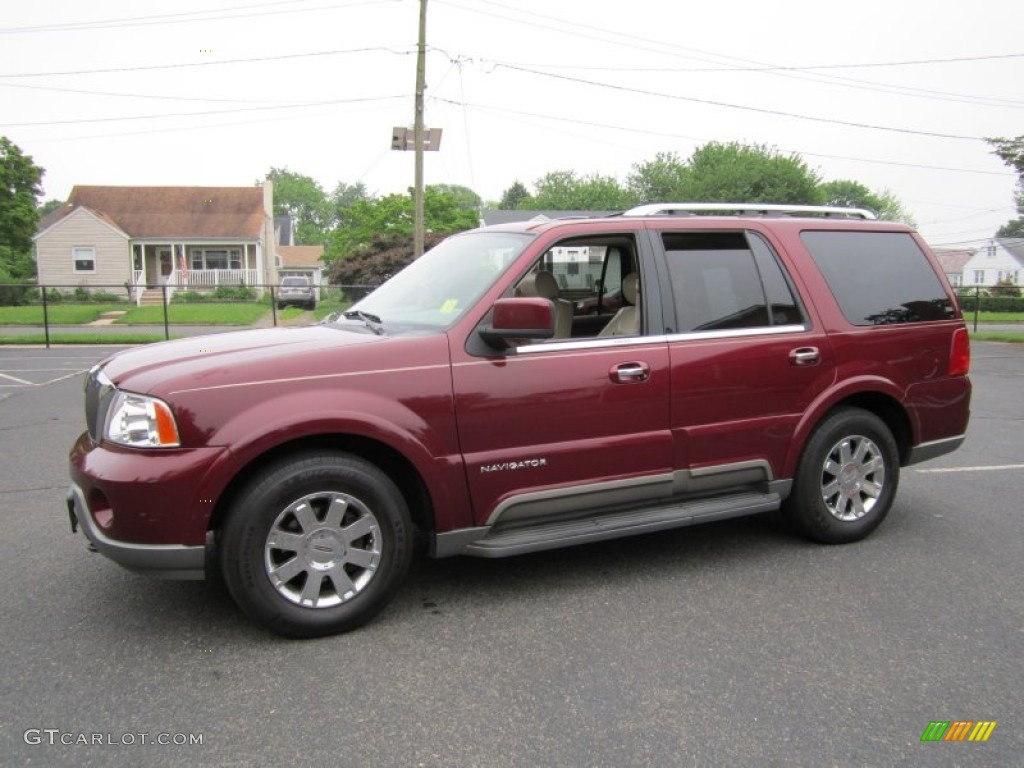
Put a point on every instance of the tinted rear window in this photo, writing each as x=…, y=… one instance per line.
x=879, y=278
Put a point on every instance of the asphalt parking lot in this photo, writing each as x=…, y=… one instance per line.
x=729, y=644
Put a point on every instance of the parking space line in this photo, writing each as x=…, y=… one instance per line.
x=20, y=382
x=992, y=468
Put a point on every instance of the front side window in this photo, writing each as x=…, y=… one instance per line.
x=84, y=258
x=879, y=278
x=726, y=281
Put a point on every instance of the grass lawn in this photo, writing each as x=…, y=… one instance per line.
x=995, y=317
x=59, y=314
x=92, y=339
x=327, y=306
x=1009, y=336
x=196, y=314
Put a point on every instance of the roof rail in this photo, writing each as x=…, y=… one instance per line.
x=750, y=209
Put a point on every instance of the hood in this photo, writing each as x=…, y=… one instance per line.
x=239, y=356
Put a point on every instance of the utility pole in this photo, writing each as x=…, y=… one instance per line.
x=418, y=138
x=421, y=74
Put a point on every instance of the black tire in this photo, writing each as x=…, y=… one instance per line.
x=846, y=479
x=317, y=544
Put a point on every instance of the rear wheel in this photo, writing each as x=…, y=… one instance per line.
x=847, y=477
x=318, y=544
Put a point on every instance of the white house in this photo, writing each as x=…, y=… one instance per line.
x=1001, y=260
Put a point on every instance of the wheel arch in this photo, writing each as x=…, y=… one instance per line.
x=397, y=467
x=881, y=401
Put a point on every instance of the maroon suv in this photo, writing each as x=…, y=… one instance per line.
x=764, y=359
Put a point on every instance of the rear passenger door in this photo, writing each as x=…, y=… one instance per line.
x=745, y=356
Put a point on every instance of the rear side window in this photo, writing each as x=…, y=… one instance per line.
x=725, y=281
x=879, y=278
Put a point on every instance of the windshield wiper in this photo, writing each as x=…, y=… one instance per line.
x=372, y=322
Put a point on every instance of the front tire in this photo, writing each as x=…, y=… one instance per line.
x=317, y=544
x=846, y=479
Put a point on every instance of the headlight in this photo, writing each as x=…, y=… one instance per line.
x=140, y=421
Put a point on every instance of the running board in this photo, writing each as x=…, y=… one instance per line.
x=536, y=537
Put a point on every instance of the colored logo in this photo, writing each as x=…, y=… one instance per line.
x=958, y=730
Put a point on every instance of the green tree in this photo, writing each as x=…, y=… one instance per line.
x=304, y=199
x=464, y=197
x=847, y=193
x=513, y=197
x=1011, y=152
x=566, y=191
x=20, y=186
x=735, y=172
x=368, y=220
x=49, y=207
x=664, y=179
x=345, y=196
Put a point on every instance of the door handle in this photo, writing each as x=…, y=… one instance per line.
x=805, y=356
x=630, y=373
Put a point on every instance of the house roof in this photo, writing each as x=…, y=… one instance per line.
x=1014, y=246
x=300, y=255
x=186, y=212
x=953, y=261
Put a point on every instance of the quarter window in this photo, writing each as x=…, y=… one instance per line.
x=725, y=281
x=879, y=278
x=84, y=257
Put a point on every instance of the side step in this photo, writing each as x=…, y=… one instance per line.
x=538, y=536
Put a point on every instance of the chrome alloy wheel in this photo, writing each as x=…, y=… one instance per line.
x=322, y=549
x=852, y=477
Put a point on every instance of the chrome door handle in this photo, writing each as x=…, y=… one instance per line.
x=805, y=356
x=630, y=373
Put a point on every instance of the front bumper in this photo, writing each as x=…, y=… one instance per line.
x=168, y=561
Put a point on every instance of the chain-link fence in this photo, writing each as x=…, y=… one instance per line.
x=57, y=313
x=977, y=299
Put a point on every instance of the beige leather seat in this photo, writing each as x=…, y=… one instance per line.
x=626, y=321
x=544, y=285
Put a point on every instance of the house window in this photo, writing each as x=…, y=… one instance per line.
x=955, y=280
x=979, y=277
x=218, y=258
x=84, y=257
x=1008, y=277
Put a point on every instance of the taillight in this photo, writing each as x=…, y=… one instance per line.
x=960, y=353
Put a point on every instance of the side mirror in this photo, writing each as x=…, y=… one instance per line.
x=519, y=318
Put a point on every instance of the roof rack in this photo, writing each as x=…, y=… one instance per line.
x=750, y=209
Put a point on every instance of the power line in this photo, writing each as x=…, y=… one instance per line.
x=183, y=18
x=218, y=100
x=202, y=114
x=184, y=65
x=743, y=107
x=562, y=120
x=672, y=49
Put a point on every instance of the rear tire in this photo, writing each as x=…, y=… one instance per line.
x=317, y=544
x=846, y=479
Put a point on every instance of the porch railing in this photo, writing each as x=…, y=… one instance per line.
x=211, y=278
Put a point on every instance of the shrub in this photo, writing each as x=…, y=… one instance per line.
x=81, y=293
x=104, y=297
x=968, y=300
x=54, y=296
x=190, y=297
x=234, y=292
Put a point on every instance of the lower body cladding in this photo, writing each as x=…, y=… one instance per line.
x=168, y=561
x=562, y=517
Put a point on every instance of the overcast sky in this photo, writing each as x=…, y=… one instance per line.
x=895, y=94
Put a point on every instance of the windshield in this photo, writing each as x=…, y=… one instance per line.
x=437, y=288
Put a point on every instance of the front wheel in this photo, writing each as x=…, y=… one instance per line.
x=317, y=544
x=846, y=479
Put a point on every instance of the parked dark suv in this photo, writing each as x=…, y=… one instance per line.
x=763, y=359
